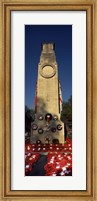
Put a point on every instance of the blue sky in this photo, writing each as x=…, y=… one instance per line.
x=35, y=35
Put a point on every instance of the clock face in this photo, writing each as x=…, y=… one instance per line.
x=47, y=71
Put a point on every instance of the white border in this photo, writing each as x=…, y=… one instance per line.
x=78, y=21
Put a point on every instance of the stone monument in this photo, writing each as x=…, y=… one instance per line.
x=47, y=126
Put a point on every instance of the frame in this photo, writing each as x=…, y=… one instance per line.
x=90, y=6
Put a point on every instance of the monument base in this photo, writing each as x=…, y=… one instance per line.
x=47, y=132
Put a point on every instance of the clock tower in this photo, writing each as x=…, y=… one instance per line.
x=47, y=126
